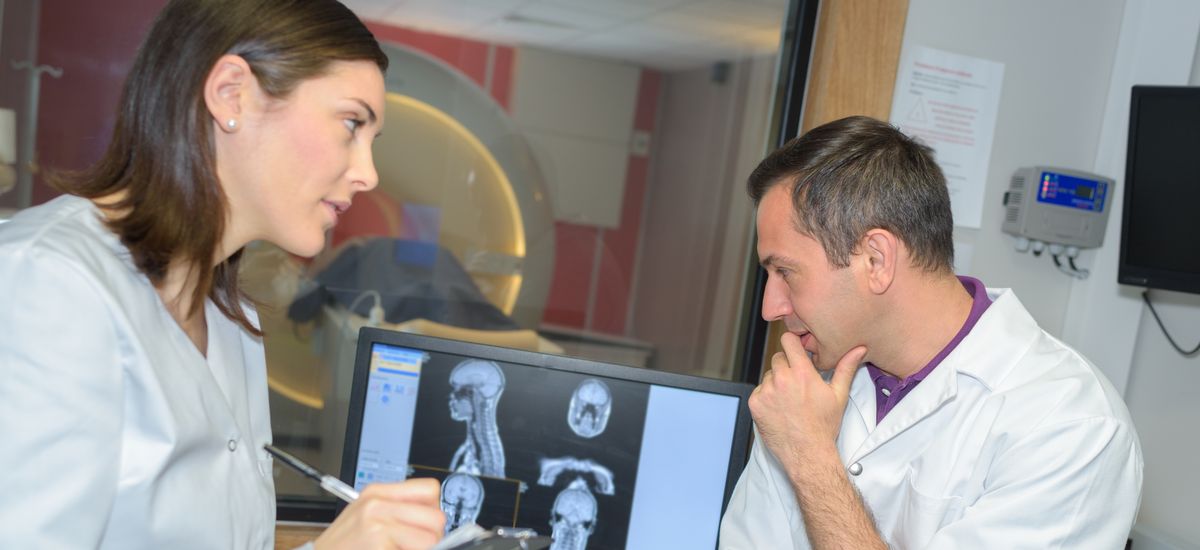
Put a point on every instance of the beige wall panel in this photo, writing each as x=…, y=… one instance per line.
x=853, y=72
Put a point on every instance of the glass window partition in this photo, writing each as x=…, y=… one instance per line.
x=558, y=176
x=562, y=176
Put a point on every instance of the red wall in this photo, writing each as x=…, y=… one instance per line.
x=576, y=262
x=468, y=56
x=94, y=43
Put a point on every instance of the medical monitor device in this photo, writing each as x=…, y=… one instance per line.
x=1057, y=206
x=599, y=456
x=1159, y=223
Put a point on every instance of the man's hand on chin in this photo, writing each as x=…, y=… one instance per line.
x=796, y=411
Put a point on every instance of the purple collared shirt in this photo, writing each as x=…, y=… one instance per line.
x=889, y=390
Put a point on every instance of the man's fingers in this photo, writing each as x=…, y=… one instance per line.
x=843, y=374
x=767, y=376
x=794, y=350
x=779, y=360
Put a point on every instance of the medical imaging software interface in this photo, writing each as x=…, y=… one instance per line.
x=595, y=462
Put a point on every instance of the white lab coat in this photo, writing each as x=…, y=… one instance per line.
x=1014, y=441
x=116, y=432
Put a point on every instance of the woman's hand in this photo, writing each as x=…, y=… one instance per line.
x=401, y=516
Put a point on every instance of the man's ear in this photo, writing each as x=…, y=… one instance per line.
x=881, y=251
x=227, y=91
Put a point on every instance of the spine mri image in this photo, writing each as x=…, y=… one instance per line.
x=475, y=389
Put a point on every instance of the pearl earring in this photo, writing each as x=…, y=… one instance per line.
x=232, y=123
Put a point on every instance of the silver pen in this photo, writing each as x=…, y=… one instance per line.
x=332, y=485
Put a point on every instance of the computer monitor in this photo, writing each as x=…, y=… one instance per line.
x=624, y=457
x=1158, y=222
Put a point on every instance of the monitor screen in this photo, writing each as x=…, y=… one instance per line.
x=1159, y=248
x=596, y=455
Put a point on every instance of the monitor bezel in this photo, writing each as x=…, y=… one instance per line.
x=1134, y=274
x=369, y=336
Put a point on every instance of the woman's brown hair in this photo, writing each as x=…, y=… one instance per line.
x=161, y=156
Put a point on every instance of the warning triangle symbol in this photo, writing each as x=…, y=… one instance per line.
x=917, y=114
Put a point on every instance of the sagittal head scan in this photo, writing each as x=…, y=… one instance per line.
x=475, y=389
x=462, y=497
x=474, y=385
x=591, y=405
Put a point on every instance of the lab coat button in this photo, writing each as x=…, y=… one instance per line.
x=855, y=469
x=232, y=445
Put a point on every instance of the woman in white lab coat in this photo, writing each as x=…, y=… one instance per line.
x=133, y=398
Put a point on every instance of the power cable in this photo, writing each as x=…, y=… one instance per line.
x=1146, y=298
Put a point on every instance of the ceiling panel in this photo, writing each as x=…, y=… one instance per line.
x=662, y=34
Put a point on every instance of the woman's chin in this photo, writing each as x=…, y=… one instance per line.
x=303, y=248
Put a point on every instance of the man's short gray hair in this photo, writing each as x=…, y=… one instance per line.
x=856, y=174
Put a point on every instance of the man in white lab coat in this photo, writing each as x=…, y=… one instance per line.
x=946, y=418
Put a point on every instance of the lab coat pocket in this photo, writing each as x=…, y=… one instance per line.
x=266, y=464
x=921, y=514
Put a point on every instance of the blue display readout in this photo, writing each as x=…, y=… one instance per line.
x=1064, y=190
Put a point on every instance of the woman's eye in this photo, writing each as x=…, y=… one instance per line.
x=353, y=124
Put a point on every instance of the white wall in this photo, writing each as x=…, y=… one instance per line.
x=1162, y=398
x=1163, y=408
x=1065, y=103
x=1108, y=322
x=1157, y=45
x=1057, y=58
x=577, y=113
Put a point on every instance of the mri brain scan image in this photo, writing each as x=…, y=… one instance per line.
x=573, y=518
x=462, y=497
x=590, y=407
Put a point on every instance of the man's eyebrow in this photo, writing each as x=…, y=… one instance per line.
x=776, y=260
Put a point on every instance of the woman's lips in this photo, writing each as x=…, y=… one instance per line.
x=339, y=207
x=336, y=208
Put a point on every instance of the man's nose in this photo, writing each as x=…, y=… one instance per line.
x=776, y=303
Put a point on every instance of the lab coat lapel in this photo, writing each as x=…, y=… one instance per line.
x=226, y=363
x=938, y=388
x=859, y=418
x=1002, y=326
x=215, y=398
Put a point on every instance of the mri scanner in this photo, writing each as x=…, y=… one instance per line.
x=453, y=172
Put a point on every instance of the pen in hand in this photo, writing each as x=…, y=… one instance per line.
x=468, y=535
x=332, y=485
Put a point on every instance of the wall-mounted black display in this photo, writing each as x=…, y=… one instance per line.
x=1160, y=223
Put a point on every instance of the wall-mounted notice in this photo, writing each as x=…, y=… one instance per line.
x=949, y=101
